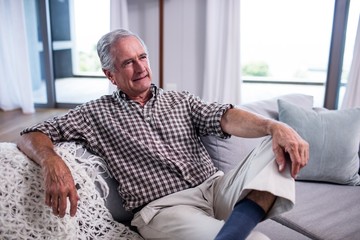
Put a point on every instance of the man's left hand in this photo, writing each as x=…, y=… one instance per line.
x=287, y=142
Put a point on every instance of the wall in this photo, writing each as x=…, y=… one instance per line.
x=184, y=38
x=184, y=44
x=144, y=21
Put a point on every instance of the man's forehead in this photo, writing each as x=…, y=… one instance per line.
x=129, y=41
x=128, y=46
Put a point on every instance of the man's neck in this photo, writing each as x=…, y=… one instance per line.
x=142, y=99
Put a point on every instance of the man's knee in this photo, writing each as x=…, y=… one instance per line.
x=181, y=222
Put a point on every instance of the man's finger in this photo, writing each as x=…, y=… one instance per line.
x=55, y=204
x=306, y=155
x=62, y=205
x=296, y=162
x=295, y=169
x=48, y=199
x=280, y=158
x=74, y=198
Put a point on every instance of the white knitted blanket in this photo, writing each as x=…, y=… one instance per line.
x=24, y=215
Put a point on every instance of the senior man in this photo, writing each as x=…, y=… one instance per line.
x=150, y=141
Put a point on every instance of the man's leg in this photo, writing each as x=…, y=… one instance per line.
x=187, y=214
x=256, y=179
x=180, y=222
x=263, y=199
x=246, y=215
x=184, y=222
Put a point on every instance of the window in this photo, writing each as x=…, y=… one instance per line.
x=65, y=68
x=285, y=47
x=352, y=25
x=87, y=31
x=76, y=27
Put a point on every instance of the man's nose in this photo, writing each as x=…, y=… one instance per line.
x=139, y=66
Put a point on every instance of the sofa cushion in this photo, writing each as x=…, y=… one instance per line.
x=109, y=191
x=114, y=202
x=278, y=231
x=333, y=137
x=324, y=211
x=226, y=153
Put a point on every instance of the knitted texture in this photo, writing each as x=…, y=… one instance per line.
x=24, y=215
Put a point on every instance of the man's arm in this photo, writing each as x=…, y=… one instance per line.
x=285, y=140
x=59, y=183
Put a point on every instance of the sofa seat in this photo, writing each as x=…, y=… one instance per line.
x=322, y=211
x=277, y=231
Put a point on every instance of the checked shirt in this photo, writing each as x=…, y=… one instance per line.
x=151, y=150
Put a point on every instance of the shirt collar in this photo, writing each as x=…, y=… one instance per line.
x=123, y=98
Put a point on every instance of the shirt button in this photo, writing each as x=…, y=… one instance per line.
x=147, y=119
x=187, y=177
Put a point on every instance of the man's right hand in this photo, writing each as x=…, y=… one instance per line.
x=59, y=183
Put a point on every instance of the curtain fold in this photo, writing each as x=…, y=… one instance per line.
x=118, y=19
x=118, y=14
x=15, y=75
x=222, y=73
x=352, y=93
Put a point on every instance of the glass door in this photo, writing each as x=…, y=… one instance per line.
x=40, y=64
x=285, y=47
x=64, y=64
x=76, y=27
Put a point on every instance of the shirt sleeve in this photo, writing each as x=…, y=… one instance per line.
x=72, y=126
x=207, y=116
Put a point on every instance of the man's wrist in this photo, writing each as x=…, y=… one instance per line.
x=272, y=126
x=49, y=159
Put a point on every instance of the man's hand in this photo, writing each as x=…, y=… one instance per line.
x=286, y=142
x=59, y=185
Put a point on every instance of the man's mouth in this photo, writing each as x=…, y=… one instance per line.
x=140, y=78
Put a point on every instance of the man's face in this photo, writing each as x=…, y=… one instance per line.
x=133, y=74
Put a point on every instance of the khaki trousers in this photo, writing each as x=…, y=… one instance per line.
x=199, y=213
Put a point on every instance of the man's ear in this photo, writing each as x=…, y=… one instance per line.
x=109, y=75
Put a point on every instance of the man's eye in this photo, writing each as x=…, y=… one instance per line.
x=127, y=63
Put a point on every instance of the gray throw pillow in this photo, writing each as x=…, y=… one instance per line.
x=333, y=136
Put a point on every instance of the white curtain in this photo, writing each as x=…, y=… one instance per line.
x=352, y=93
x=222, y=74
x=118, y=19
x=15, y=75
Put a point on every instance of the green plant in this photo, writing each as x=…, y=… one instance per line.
x=258, y=69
